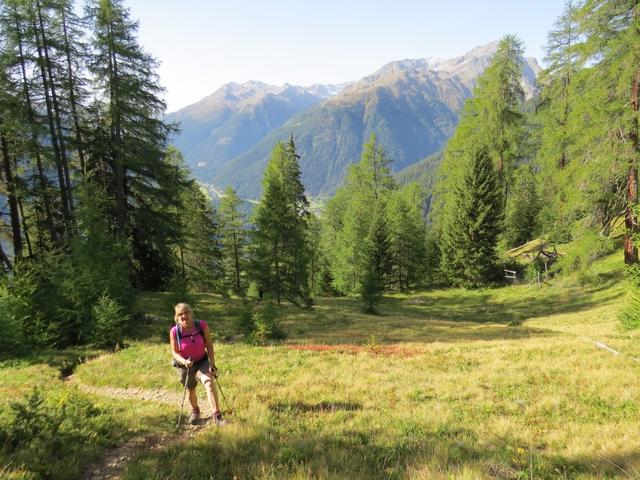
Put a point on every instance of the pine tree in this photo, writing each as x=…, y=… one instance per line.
x=233, y=240
x=280, y=256
x=469, y=237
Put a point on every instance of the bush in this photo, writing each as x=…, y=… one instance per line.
x=253, y=291
x=48, y=434
x=244, y=322
x=266, y=324
x=587, y=249
x=109, y=322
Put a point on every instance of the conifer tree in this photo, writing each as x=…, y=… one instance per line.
x=367, y=188
x=407, y=232
x=521, y=216
x=374, y=260
x=472, y=224
x=492, y=122
x=610, y=103
x=558, y=127
x=233, y=240
x=280, y=256
x=198, y=251
x=130, y=141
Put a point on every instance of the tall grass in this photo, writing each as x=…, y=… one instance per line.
x=493, y=384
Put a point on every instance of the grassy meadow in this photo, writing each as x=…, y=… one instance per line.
x=503, y=383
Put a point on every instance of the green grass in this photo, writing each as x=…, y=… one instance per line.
x=502, y=383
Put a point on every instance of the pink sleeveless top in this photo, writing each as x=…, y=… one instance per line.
x=191, y=342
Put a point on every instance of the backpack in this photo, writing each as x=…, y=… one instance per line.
x=179, y=332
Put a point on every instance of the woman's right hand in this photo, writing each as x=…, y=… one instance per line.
x=188, y=363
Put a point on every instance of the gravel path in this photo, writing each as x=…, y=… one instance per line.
x=112, y=466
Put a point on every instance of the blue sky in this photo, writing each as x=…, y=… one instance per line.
x=203, y=44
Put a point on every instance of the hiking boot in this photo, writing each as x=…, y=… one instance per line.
x=195, y=417
x=221, y=422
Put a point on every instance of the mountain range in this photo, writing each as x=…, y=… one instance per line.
x=411, y=105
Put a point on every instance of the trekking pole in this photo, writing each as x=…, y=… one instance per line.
x=184, y=394
x=223, y=397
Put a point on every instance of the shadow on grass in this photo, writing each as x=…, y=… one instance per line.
x=408, y=451
x=65, y=361
x=442, y=316
x=320, y=407
x=481, y=307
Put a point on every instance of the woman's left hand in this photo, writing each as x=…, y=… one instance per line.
x=213, y=371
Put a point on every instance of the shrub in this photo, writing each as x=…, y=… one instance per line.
x=109, y=322
x=588, y=248
x=47, y=434
x=253, y=291
x=243, y=323
x=266, y=324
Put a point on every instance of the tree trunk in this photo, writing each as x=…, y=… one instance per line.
x=57, y=119
x=630, y=220
x=52, y=132
x=72, y=95
x=236, y=260
x=119, y=170
x=5, y=260
x=48, y=211
x=11, y=198
x=25, y=229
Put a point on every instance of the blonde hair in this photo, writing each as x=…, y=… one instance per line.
x=183, y=307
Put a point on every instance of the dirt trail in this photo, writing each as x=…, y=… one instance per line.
x=112, y=466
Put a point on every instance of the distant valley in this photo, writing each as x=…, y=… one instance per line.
x=411, y=105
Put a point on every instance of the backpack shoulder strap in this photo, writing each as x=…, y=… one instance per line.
x=199, y=328
x=178, y=332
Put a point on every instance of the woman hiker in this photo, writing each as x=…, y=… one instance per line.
x=192, y=351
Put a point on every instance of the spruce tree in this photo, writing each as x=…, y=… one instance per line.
x=280, y=256
x=492, y=122
x=472, y=225
x=374, y=260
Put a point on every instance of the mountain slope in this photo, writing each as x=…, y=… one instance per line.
x=411, y=105
x=232, y=119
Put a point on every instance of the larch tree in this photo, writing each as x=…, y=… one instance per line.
x=233, y=240
x=367, y=188
x=280, y=255
x=130, y=151
x=407, y=232
x=610, y=103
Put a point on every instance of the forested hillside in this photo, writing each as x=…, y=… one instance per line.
x=97, y=202
x=411, y=105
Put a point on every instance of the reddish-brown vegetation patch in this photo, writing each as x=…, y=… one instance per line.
x=384, y=350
